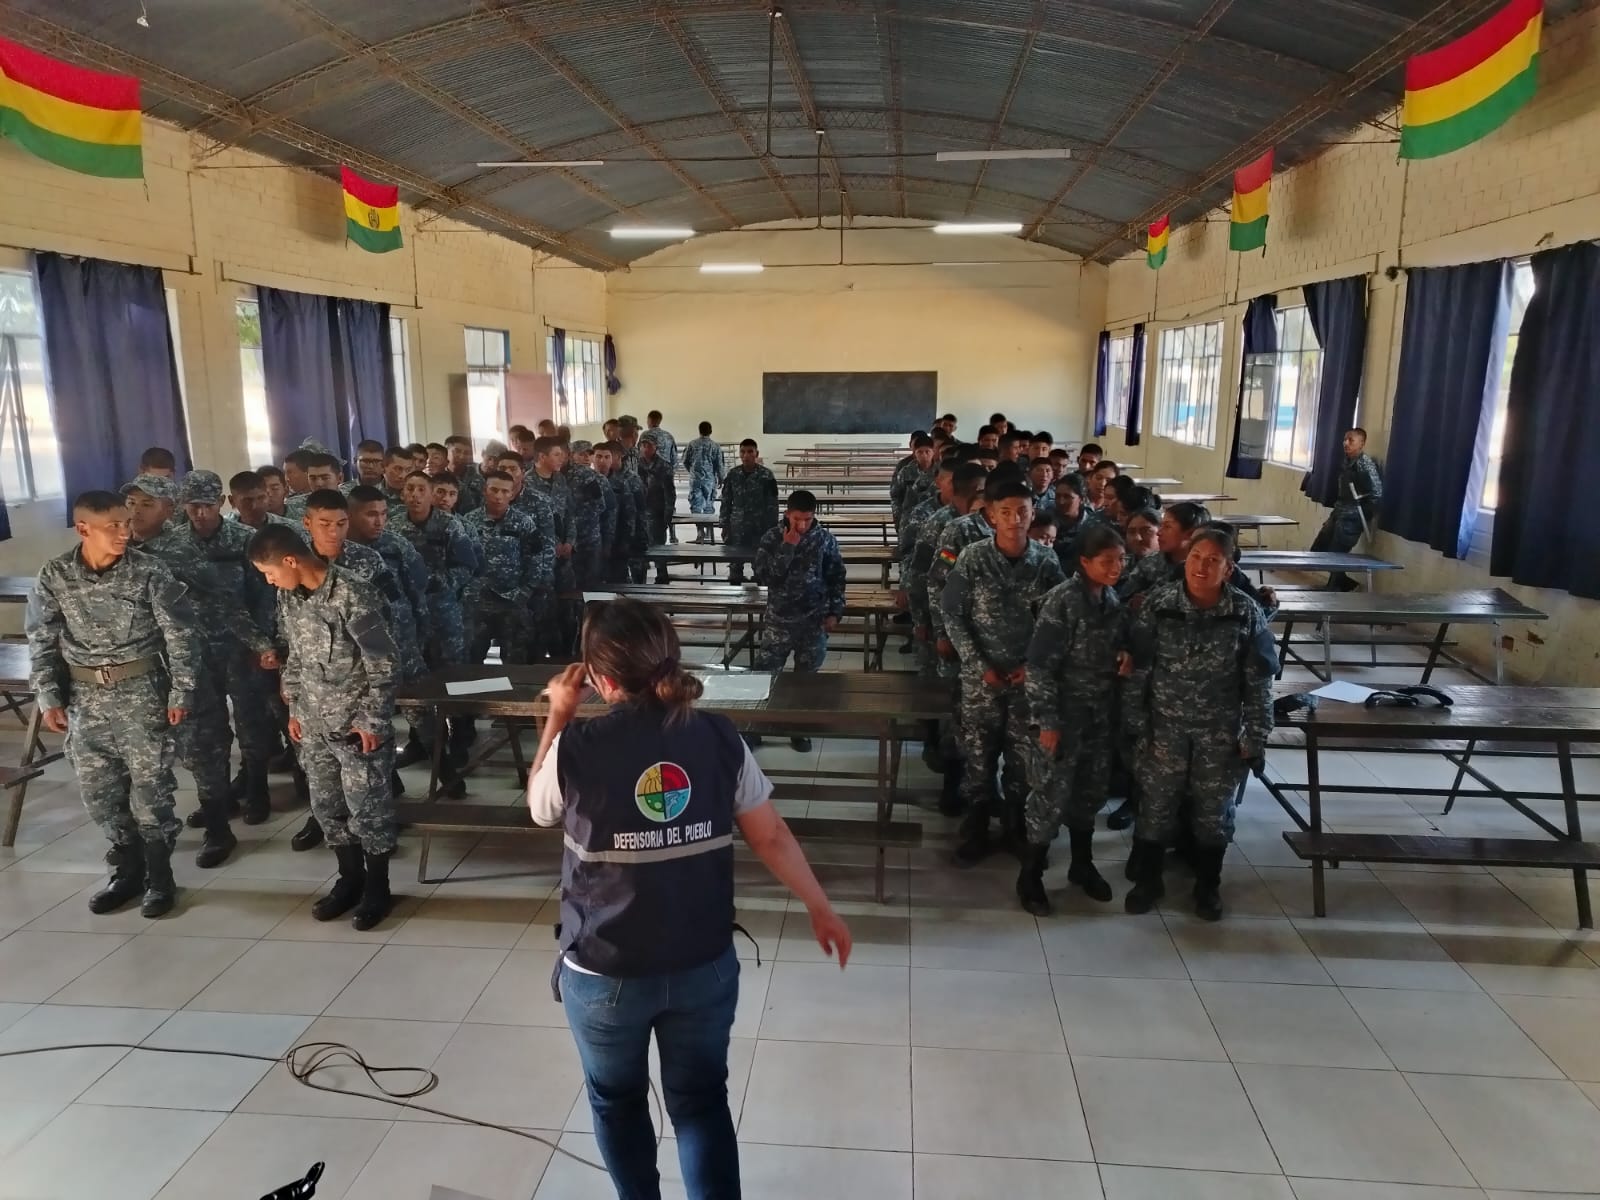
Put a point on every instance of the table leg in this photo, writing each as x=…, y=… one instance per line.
x=1319, y=887
x=1436, y=648
x=1327, y=650
x=885, y=808
x=422, y=856
x=436, y=754
x=517, y=756
x=30, y=746
x=1499, y=657
x=1283, y=650
x=1461, y=773
x=1569, y=801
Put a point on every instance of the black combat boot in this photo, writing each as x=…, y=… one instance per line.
x=375, y=898
x=950, y=802
x=127, y=878
x=310, y=835
x=975, y=845
x=412, y=752
x=1082, y=871
x=257, y=800
x=1145, y=864
x=237, y=785
x=801, y=744
x=458, y=748
x=160, y=890
x=1207, y=862
x=346, y=891
x=397, y=785
x=219, y=841
x=1124, y=815
x=1030, y=881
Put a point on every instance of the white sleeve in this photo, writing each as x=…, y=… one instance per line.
x=754, y=788
x=545, y=800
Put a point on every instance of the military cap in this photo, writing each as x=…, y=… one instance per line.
x=582, y=447
x=201, y=487
x=157, y=487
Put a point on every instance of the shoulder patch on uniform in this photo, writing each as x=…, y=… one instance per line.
x=947, y=555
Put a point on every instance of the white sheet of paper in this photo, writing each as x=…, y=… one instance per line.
x=474, y=687
x=1348, y=693
x=729, y=685
x=588, y=596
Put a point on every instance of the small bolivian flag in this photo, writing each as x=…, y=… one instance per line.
x=83, y=120
x=1155, y=245
x=1460, y=92
x=372, y=213
x=1251, y=185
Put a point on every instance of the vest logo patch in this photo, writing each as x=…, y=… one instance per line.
x=662, y=792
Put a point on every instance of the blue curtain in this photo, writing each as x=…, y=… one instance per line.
x=558, y=366
x=297, y=360
x=363, y=350
x=1130, y=435
x=1452, y=347
x=1338, y=312
x=1102, y=373
x=613, y=383
x=112, y=372
x=1249, y=446
x=1544, y=528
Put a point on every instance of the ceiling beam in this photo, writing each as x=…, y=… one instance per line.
x=1440, y=23
x=1134, y=107
x=540, y=45
x=808, y=104
x=707, y=75
x=889, y=62
x=1018, y=69
x=55, y=40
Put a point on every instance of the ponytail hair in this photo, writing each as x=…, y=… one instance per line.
x=635, y=646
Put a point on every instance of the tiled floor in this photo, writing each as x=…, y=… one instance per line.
x=1437, y=1037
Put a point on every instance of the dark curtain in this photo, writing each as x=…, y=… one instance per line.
x=613, y=383
x=297, y=334
x=1249, y=445
x=1130, y=435
x=1338, y=312
x=558, y=366
x=1102, y=373
x=363, y=350
x=1451, y=351
x=1544, y=529
x=112, y=372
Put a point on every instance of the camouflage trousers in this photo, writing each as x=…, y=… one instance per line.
x=502, y=621
x=701, y=488
x=251, y=690
x=204, y=739
x=1202, y=765
x=995, y=739
x=806, y=640
x=1071, y=786
x=447, y=633
x=588, y=566
x=122, y=749
x=351, y=795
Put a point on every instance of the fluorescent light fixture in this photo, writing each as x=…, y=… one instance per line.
x=731, y=268
x=997, y=155
x=549, y=162
x=979, y=227
x=651, y=232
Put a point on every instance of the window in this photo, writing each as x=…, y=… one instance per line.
x=1288, y=383
x=1188, y=375
x=581, y=378
x=257, y=430
x=1119, y=379
x=30, y=463
x=1521, y=293
x=488, y=359
x=400, y=366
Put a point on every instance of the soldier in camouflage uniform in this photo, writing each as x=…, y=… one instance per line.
x=989, y=602
x=1359, y=491
x=468, y=475
x=560, y=632
x=628, y=439
x=914, y=479
x=588, y=515
x=1178, y=525
x=667, y=450
x=1078, y=647
x=339, y=682
x=322, y=471
x=703, y=459
x=598, y=460
x=628, y=536
x=1198, y=710
x=749, y=504
x=114, y=659
x=659, y=496
x=517, y=578
x=536, y=506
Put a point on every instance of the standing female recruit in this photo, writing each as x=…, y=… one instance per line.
x=649, y=793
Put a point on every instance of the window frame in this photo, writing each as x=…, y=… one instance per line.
x=584, y=378
x=1119, y=378
x=37, y=444
x=486, y=374
x=1479, y=548
x=400, y=371
x=1307, y=384
x=1200, y=364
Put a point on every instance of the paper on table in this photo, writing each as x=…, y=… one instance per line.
x=728, y=685
x=591, y=596
x=1339, y=689
x=473, y=687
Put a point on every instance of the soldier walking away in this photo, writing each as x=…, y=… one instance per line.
x=114, y=653
x=339, y=682
x=703, y=458
x=1355, y=509
x=749, y=504
x=667, y=450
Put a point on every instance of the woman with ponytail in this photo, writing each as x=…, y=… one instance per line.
x=649, y=793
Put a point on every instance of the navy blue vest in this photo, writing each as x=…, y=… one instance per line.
x=647, y=877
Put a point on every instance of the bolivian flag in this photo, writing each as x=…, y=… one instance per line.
x=372, y=213
x=1251, y=185
x=76, y=118
x=1155, y=245
x=1460, y=92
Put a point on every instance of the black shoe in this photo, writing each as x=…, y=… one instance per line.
x=1030, y=881
x=801, y=744
x=218, y=845
x=375, y=898
x=1208, y=881
x=126, y=882
x=1082, y=872
x=302, y=789
x=196, y=819
x=257, y=807
x=753, y=740
x=160, y=889
x=1145, y=863
x=1123, y=817
x=907, y=646
x=975, y=845
x=310, y=835
x=950, y=802
x=237, y=785
x=411, y=753
x=347, y=888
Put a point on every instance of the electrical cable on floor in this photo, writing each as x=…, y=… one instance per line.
x=306, y=1059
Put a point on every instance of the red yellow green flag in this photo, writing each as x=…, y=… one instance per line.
x=1251, y=185
x=76, y=118
x=372, y=213
x=1155, y=245
x=1461, y=92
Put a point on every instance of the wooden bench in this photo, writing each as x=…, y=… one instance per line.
x=11, y=781
x=432, y=818
x=1416, y=848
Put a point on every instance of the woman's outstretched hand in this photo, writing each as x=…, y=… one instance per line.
x=832, y=934
x=567, y=690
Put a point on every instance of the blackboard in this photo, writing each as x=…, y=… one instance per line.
x=848, y=401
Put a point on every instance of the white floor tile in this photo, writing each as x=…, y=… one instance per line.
x=1347, y=1189
x=413, y=1158
x=1357, y=955
x=146, y=1079
x=1290, y=1024
x=1119, y=946
x=381, y=1043
x=1163, y=1183
x=877, y=940
x=25, y=895
x=1534, y=1134
x=418, y=983
x=35, y=965
x=1029, y=1104
x=984, y=1010
x=236, y=907
x=958, y=1177
x=1565, y=1028
x=1448, y=1033
x=519, y=993
x=806, y=1172
x=152, y=972
x=1135, y=1018
x=976, y=941
x=94, y=1151
x=271, y=1151
x=817, y=1002
x=822, y=1094
x=566, y=1179
x=1245, y=951
x=447, y=918
x=285, y=977
x=524, y=1076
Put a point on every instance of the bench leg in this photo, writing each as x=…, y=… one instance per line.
x=885, y=809
x=436, y=754
x=1283, y=650
x=422, y=858
x=1461, y=773
x=30, y=751
x=1569, y=801
x=1319, y=886
x=1434, y=650
x=517, y=757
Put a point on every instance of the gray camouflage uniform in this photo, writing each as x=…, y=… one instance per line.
x=749, y=509
x=805, y=586
x=909, y=487
x=469, y=481
x=512, y=588
x=588, y=522
x=1198, y=708
x=452, y=560
x=958, y=533
x=408, y=604
x=118, y=739
x=703, y=458
x=919, y=536
x=559, y=633
x=1358, y=477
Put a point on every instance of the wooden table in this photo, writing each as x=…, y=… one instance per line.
x=1258, y=522
x=15, y=589
x=1262, y=561
x=697, y=554
x=1515, y=716
x=1168, y=499
x=883, y=707
x=17, y=697
x=1489, y=606
x=837, y=523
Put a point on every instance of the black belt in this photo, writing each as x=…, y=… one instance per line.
x=115, y=672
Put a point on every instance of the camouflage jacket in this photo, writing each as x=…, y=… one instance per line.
x=633, y=531
x=469, y=480
x=1072, y=658
x=611, y=513
x=536, y=506
x=666, y=446
x=341, y=669
x=919, y=540
x=910, y=488
x=558, y=494
x=401, y=578
x=1156, y=568
x=958, y=533
x=517, y=561
x=588, y=492
x=450, y=555
x=1359, y=476
x=136, y=608
x=749, y=505
x=213, y=571
x=659, y=487
x=1200, y=668
x=804, y=582
x=703, y=458
x=990, y=602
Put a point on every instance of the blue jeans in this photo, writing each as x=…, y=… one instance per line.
x=691, y=1014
